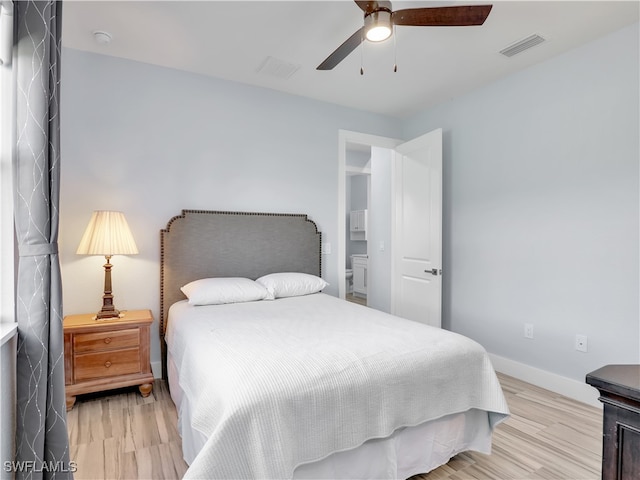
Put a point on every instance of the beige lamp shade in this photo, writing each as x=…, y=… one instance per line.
x=107, y=234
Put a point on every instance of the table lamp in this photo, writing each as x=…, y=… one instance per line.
x=107, y=234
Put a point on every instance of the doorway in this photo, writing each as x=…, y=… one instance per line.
x=364, y=257
x=404, y=224
x=357, y=223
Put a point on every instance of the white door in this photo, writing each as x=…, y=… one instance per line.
x=417, y=240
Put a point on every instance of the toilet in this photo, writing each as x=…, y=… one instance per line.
x=349, y=278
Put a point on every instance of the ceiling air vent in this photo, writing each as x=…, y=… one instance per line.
x=277, y=68
x=522, y=45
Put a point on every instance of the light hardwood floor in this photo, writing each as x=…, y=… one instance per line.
x=548, y=436
x=354, y=299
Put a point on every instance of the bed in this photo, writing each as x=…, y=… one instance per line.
x=305, y=385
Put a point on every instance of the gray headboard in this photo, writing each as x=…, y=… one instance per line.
x=202, y=244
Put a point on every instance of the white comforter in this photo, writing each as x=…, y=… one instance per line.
x=275, y=384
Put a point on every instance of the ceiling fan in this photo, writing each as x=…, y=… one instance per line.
x=379, y=20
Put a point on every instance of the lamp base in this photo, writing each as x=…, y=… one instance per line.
x=107, y=314
x=108, y=310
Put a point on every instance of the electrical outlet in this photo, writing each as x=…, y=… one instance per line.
x=581, y=343
x=326, y=248
x=528, y=330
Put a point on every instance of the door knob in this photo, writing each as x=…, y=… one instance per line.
x=434, y=271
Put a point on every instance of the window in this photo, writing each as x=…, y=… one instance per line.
x=7, y=114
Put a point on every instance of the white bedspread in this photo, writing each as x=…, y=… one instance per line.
x=275, y=384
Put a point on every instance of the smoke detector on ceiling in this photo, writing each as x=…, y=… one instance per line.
x=103, y=38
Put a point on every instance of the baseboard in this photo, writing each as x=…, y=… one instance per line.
x=156, y=369
x=551, y=381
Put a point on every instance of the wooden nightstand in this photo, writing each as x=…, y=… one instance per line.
x=107, y=354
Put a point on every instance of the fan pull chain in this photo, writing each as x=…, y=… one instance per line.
x=395, y=51
x=362, y=55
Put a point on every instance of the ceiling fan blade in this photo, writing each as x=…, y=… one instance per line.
x=342, y=51
x=442, y=16
x=368, y=7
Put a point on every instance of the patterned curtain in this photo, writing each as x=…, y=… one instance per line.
x=42, y=445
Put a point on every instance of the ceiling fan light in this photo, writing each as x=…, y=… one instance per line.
x=378, y=34
x=378, y=26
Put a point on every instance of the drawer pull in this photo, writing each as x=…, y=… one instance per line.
x=107, y=340
x=107, y=364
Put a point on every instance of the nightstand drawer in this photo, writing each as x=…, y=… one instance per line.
x=92, y=342
x=107, y=364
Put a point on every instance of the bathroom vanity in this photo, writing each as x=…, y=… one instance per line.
x=359, y=264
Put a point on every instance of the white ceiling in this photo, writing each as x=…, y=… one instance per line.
x=232, y=39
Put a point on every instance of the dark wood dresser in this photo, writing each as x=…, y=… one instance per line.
x=619, y=387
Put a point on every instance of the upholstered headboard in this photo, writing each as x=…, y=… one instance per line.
x=202, y=244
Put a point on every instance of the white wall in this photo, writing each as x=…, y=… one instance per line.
x=380, y=229
x=541, y=209
x=151, y=141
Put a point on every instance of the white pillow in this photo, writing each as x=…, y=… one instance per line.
x=216, y=291
x=291, y=284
